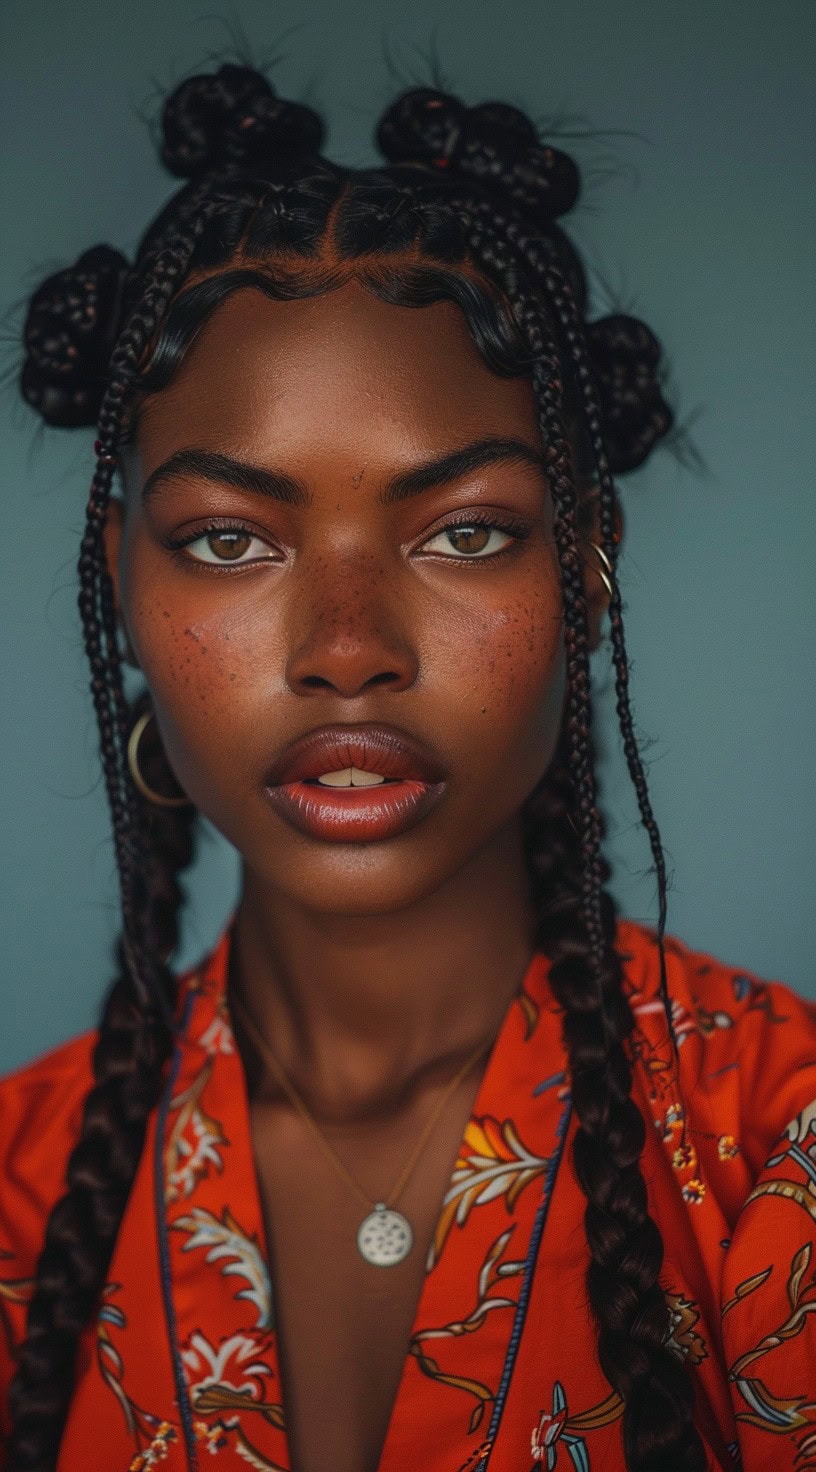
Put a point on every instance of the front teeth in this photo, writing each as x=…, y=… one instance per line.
x=350, y=777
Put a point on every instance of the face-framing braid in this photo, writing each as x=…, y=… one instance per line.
x=628, y=1303
x=542, y=258
x=166, y=270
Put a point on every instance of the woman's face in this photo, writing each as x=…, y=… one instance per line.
x=334, y=602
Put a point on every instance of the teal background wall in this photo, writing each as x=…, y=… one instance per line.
x=699, y=214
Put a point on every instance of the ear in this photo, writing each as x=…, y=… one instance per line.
x=112, y=533
x=595, y=590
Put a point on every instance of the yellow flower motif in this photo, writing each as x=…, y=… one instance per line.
x=672, y=1120
x=694, y=1191
x=493, y=1162
x=212, y=1436
x=727, y=1147
x=684, y=1157
x=157, y=1451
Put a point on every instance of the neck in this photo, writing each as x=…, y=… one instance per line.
x=360, y=1009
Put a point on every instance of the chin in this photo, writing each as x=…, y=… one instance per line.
x=354, y=880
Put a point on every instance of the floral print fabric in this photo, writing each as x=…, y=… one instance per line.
x=501, y=1373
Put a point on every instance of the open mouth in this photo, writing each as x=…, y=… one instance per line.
x=350, y=777
x=347, y=813
x=354, y=784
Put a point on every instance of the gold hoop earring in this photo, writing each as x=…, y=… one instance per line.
x=133, y=766
x=605, y=569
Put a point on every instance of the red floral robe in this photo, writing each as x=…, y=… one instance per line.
x=501, y=1372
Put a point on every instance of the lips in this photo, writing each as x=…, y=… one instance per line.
x=414, y=784
x=380, y=749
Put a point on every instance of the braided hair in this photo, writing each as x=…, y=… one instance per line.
x=465, y=208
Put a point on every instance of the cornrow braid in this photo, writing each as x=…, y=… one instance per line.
x=135, y=1033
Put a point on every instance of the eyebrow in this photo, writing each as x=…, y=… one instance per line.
x=225, y=470
x=493, y=450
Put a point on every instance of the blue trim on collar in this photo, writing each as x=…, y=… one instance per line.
x=527, y=1283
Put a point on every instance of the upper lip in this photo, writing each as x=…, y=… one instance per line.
x=371, y=748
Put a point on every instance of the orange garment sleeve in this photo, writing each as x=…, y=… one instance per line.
x=769, y=1273
x=39, y=1124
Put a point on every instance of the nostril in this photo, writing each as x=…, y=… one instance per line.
x=319, y=682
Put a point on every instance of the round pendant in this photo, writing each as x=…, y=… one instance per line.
x=385, y=1237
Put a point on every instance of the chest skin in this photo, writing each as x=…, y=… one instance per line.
x=343, y=1325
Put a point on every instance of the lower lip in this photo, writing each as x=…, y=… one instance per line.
x=355, y=814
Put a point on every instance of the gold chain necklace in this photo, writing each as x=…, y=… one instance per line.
x=385, y=1236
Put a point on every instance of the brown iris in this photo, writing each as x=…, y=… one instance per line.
x=229, y=545
x=471, y=538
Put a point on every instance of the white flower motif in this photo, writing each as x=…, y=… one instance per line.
x=218, y=1037
x=682, y=1020
x=803, y=1125
x=224, y=1241
x=208, y=1364
x=194, y=1159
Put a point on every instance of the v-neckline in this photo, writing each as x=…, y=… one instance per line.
x=501, y=1145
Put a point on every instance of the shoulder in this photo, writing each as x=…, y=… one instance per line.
x=40, y=1118
x=747, y=1045
x=46, y=1087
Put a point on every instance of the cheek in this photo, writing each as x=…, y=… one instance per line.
x=200, y=660
x=505, y=668
x=191, y=676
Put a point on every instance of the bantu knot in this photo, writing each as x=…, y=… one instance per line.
x=626, y=360
x=232, y=119
x=492, y=142
x=69, y=335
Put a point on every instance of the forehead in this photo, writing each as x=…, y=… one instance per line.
x=343, y=372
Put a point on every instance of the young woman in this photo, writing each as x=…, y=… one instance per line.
x=433, y=1162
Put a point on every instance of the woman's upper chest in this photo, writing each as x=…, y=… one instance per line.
x=343, y=1324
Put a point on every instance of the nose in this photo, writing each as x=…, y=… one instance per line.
x=349, y=635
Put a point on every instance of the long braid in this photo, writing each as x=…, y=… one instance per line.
x=135, y=1037
x=625, y=1244
x=543, y=258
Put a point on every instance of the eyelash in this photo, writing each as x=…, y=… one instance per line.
x=509, y=526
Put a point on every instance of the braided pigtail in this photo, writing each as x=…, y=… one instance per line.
x=544, y=260
x=625, y=1244
x=493, y=170
x=135, y=1035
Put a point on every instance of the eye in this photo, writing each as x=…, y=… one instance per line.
x=225, y=546
x=476, y=538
